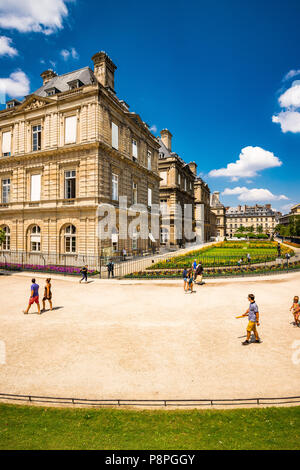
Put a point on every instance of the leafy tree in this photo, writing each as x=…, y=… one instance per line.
x=2, y=237
x=251, y=228
x=260, y=229
x=241, y=229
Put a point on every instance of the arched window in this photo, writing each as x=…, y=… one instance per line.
x=70, y=239
x=6, y=243
x=35, y=238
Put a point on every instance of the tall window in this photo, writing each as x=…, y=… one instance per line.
x=149, y=197
x=70, y=184
x=6, y=144
x=164, y=235
x=35, y=238
x=149, y=159
x=179, y=180
x=70, y=129
x=134, y=149
x=70, y=239
x=6, y=243
x=35, y=188
x=114, y=136
x=36, y=137
x=115, y=187
x=134, y=193
x=134, y=240
x=5, y=190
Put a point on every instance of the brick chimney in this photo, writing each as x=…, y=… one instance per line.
x=193, y=167
x=166, y=137
x=104, y=69
x=47, y=76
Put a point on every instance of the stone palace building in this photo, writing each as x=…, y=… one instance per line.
x=66, y=148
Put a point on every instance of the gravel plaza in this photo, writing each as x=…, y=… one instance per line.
x=149, y=340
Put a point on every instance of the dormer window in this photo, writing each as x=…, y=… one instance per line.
x=12, y=104
x=52, y=91
x=73, y=84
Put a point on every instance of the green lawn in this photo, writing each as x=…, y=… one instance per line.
x=29, y=427
x=225, y=254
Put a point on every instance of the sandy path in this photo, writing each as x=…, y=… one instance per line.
x=145, y=340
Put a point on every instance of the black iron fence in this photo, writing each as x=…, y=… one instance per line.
x=154, y=402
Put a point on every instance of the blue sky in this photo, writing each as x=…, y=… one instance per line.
x=211, y=72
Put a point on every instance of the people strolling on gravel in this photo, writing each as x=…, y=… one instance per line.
x=47, y=294
x=185, y=279
x=199, y=273
x=295, y=308
x=253, y=317
x=190, y=281
x=84, y=272
x=34, y=297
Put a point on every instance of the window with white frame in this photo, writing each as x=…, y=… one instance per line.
x=70, y=129
x=114, y=136
x=149, y=159
x=5, y=191
x=134, y=193
x=70, y=239
x=6, y=143
x=164, y=235
x=179, y=179
x=163, y=175
x=115, y=187
x=35, y=188
x=70, y=184
x=185, y=184
x=36, y=137
x=35, y=238
x=134, y=240
x=134, y=149
x=149, y=197
x=6, y=243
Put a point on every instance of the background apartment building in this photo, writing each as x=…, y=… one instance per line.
x=220, y=215
x=259, y=218
x=205, y=218
x=176, y=190
x=66, y=148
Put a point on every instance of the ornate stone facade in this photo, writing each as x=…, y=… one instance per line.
x=68, y=147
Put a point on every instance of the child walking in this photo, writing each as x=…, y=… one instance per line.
x=295, y=308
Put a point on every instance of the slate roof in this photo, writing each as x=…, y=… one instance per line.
x=85, y=75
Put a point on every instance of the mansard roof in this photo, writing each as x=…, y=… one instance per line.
x=61, y=82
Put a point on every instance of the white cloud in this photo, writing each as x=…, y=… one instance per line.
x=254, y=194
x=16, y=85
x=6, y=48
x=42, y=16
x=291, y=74
x=291, y=97
x=153, y=129
x=66, y=54
x=287, y=207
x=288, y=120
x=251, y=160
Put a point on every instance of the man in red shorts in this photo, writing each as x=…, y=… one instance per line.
x=34, y=297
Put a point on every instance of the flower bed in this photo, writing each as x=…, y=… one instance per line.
x=296, y=245
x=216, y=272
x=71, y=270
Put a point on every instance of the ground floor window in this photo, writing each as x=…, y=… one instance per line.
x=6, y=243
x=164, y=235
x=35, y=238
x=70, y=239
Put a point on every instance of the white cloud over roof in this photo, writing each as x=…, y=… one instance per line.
x=251, y=161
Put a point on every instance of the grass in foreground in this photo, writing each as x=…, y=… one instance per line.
x=28, y=427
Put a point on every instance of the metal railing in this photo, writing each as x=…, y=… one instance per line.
x=153, y=402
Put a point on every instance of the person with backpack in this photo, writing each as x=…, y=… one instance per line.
x=199, y=273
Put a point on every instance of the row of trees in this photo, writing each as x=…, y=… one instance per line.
x=290, y=230
x=250, y=229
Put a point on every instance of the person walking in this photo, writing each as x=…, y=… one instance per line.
x=278, y=249
x=295, y=308
x=249, y=258
x=253, y=317
x=190, y=280
x=194, y=266
x=84, y=272
x=199, y=273
x=110, y=268
x=47, y=294
x=185, y=279
x=124, y=253
x=34, y=297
